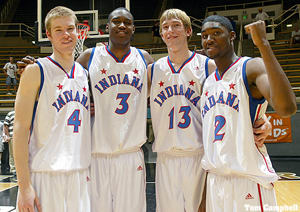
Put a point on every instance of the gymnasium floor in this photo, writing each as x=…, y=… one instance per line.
x=287, y=192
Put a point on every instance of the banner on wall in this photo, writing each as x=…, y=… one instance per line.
x=281, y=129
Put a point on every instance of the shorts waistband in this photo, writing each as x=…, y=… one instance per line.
x=130, y=150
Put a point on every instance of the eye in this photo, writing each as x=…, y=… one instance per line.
x=116, y=22
x=127, y=22
x=203, y=36
x=217, y=33
x=165, y=27
x=71, y=28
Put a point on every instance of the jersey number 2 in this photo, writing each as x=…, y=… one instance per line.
x=220, y=121
x=74, y=120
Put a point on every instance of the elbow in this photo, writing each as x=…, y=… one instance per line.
x=288, y=110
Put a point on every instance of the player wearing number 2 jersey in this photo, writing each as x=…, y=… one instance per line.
x=240, y=175
x=118, y=76
x=52, y=125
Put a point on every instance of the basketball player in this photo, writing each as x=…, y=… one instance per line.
x=118, y=77
x=176, y=82
x=240, y=175
x=52, y=125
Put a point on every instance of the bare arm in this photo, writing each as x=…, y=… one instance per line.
x=84, y=58
x=211, y=66
x=266, y=77
x=147, y=57
x=149, y=78
x=26, y=96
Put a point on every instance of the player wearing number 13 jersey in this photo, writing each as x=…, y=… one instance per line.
x=176, y=83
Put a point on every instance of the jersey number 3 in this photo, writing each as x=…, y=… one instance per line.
x=74, y=120
x=123, y=103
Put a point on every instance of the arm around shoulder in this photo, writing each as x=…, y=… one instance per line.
x=84, y=58
x=147, y=57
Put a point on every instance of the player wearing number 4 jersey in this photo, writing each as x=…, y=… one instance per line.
x=240, y=175
x=52, y=125
x=119, y=85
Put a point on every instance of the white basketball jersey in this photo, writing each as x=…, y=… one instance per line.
x=60, y=133
x=229, y=111
x=120, y=95
x=175, y=104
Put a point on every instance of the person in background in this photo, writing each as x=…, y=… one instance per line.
x=10, y=69
x=295, y=36
x=8, y=137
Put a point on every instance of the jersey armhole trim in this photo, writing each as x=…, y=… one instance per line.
x=152, y=70
x=257, y=101
x=91, y=58
x=142, y=57
x=206, y=67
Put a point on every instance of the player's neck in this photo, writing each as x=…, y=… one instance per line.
x=65, y=60
x=179, y=56
x=119, y=50
x=224, y=61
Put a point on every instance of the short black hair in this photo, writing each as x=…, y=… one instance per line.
x=220, y=19
x=119, y=8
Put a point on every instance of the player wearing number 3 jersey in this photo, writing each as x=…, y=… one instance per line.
x=52, y=125
x=118, y=74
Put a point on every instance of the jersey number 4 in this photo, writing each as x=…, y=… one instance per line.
x=185, y=116
x=220, y=122
x=74, y=120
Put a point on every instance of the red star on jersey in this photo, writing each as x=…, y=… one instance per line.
x=135, y=71
x=84, y=89
x=103, y=71
x=206, y=93
x=161, y=83
x=59, y=86
x=231, y=86
x=192, y=82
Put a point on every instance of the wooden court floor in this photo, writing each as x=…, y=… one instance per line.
x=288, y=193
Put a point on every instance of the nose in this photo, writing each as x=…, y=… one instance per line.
x=122, y=24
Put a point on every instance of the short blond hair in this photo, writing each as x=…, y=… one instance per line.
x=56, y=12
x=178, y=14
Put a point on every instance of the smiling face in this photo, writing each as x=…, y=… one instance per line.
x=120, y=27
x=174, y=33
x=62, y=34
x=216, y=39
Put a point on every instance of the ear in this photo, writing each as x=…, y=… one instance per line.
x=107, y=28
x=133, y=29
x=232, y=36
x=189, y=32
x=48, y=35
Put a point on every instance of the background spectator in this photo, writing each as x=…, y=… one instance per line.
x=5, y=169
x=262, y=15
x=8, y=132
x=10, y=69
x=155, y=33
x=295, y=37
